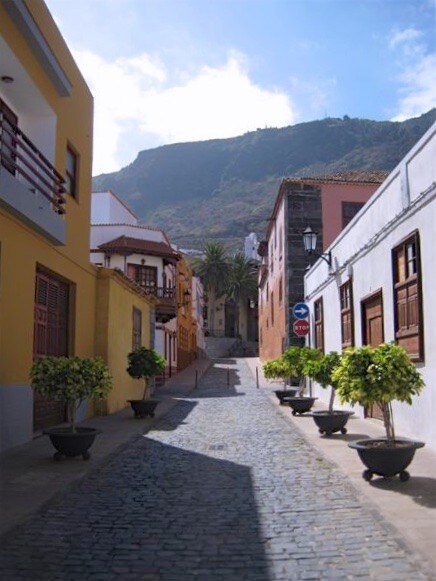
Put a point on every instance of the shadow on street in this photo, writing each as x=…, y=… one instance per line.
x=155, y=510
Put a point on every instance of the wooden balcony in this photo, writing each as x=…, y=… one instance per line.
x=30, y=187
x=166, y=307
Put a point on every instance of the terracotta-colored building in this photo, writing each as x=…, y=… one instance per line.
x=186, y=321
x=325, y=203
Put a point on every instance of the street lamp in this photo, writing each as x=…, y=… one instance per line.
x=309, y=242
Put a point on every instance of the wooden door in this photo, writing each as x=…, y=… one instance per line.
x=50, y=338
x=373, y=333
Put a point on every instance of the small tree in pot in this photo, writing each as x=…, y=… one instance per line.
x=279, y=369
x=292, y=364
x=380, y=375
x=321, y=370
x=143, y=364
x=71, y=380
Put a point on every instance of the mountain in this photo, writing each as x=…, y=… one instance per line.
x=223, y=189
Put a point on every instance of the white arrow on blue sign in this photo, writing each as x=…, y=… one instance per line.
x=300, y=311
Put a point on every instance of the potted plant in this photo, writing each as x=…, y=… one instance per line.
x=143, y=364
x=278, y=369
x=294, y=360
x=320, y=370
x=71, y=380
x=380, y=375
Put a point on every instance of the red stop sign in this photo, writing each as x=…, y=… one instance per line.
x=301, y=328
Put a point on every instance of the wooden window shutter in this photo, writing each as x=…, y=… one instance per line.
x=51, y=316
x=409, y=331
x=319, y=325
x=137, y=329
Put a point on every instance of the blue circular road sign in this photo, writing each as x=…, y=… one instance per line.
x=300, y=311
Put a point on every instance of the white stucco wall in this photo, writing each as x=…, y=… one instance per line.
x=363, y=252
x=106, y=232
x=106, y=208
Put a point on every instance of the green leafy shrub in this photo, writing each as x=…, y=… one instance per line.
x=71, y=380
x=291, y=364
x=321, y=370
x=378, y=375
x=276, y=368
x=145, y=363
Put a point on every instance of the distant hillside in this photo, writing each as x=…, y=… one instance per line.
x=223, y=189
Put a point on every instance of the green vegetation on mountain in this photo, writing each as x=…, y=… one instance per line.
x=223, y=189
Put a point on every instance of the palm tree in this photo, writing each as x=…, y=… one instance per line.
x=242, y=283
x=214, y=271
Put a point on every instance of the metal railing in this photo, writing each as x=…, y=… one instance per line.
x=20, y=157
x=160, y=292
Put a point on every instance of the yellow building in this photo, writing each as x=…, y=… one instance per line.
x=48, y=288
x=186, y=321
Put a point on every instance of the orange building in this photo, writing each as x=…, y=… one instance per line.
x=186, y=321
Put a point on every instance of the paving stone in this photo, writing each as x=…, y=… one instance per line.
x=222, y=488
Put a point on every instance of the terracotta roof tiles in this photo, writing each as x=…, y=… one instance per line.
x=361, y=176
x=128, y=244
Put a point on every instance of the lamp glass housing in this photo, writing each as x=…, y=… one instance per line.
x=309, y=240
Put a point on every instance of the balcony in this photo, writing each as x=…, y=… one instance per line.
x=263, y=272
x=30, y=187
x=166, y=307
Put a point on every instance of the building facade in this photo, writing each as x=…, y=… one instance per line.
x=381, y=284
x=145, y=255
x=48, y=288
x=187, y=327
x=326, y=204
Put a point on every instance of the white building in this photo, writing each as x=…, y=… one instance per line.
x=381, y=285
x=144, y=254
x=251, y=244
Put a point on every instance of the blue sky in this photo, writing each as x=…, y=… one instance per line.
x=165, y=71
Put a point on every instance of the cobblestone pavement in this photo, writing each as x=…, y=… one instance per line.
x=222, y=488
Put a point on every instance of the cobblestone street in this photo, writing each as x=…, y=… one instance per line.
x=222, y=488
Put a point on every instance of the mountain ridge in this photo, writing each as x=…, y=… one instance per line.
x=222, y=189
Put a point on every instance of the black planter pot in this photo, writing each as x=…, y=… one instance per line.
x=386, y=460
x=300, y=405
x=281, y=393
x=328, y=423
x=143, y=407
x=70, y=444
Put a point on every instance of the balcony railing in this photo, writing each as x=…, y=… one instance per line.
x=160, y=292
x=20, y=157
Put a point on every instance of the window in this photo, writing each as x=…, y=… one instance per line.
x=408, y=297
x=137, y=329
x=280, y=243
x=319, y=325
x=281, y=290
x=272, y=309
x=347, y=320
x=349, y=210
x=145, y=276
x=71, y=172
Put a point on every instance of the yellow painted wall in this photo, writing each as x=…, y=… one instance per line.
x=21, y=251
x=22, y=248
x=74, y=118
x=115, y=300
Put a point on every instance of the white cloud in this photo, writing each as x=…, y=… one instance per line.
x=417, y=79
x=404, y=36
x=135, y=104
x=418, y=94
